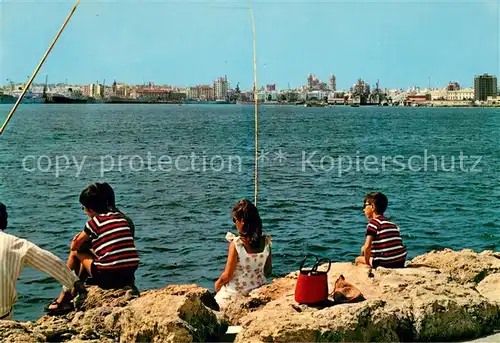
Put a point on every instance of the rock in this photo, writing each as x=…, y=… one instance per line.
x=15, y=332
x=462, y=266
x=97, y=297
x=440, y=296
x=172, y=314
x=432, y=301
x=241, y=306
x=489, y=287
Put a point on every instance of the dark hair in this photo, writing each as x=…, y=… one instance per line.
x=108, y=193
x=3, y=217
x=252, y=227
x=94, y=198
x=378, y=200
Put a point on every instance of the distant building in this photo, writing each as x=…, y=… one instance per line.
x=96, y=90
x=311, y=79
x=313, y=83
x=460, y=94
x=453, y=86
x=318, y=95
x=267, y=96
x=337, y=97
x=484, y=85
x=206, y=92
x=333, y=83
x=493, y=100
x=192, y=93
x=417, y=100
x=271, y=87
x=221, y=87
x=202, y=92
x=160, y=94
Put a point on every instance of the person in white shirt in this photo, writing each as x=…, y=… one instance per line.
x=17, y=253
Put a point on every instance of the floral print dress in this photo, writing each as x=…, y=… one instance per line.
x=249, y=273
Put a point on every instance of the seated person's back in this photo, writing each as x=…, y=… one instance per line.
x=249, y=258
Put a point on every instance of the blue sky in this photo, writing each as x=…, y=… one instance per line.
x=402, y=43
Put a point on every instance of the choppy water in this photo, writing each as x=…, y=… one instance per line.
x=307, y=202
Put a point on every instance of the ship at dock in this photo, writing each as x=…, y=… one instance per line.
x=7, y=99
x=29, y=97
x=68, y=97
x=207, y=102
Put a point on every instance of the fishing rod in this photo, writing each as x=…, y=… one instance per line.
x=256, y=109
x=27, y=86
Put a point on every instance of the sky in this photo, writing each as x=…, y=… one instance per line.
x=400, y=43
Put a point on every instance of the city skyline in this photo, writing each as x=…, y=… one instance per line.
x=401, y=44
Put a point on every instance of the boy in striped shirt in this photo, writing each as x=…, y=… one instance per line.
x=113, y=260
x=383, y=244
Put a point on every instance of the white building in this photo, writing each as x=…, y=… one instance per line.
x=96, y=90
x=462, y=94
x=318, y=95
x=268, y=95
x=455, y=95
x=221, y=86
x=333, y=83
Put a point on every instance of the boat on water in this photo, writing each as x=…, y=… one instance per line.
x=7, y=99
x=206, y=102
x=63, y=99
x=118, y=100
x=355, y=104
x=29, y=97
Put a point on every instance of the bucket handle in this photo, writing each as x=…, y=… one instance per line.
x=315, y=266
x=323, y=260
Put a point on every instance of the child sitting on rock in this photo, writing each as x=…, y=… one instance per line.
x=249, y=257
x=383, y=245
x=113, y=258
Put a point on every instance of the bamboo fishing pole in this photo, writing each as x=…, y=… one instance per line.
x=256, y=110
x=27, y=86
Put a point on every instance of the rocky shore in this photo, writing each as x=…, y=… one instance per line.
x=440, y=296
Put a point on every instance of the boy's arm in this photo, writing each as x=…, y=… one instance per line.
x=78, y=241
x=367, y=248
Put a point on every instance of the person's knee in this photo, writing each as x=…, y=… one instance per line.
x=360, y=259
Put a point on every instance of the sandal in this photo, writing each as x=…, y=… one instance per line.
x=62, y=308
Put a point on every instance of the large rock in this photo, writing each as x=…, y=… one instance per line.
x=440, y=296
x=172, y=314
x=489, y=287
x=14, y=332
x=464, y=266
x=432, y=301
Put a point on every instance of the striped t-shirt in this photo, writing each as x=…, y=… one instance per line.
x=112, y=242
x=387, y=244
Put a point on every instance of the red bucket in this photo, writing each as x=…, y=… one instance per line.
x=312, y=285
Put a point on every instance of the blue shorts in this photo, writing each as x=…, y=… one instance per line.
x=110, y=279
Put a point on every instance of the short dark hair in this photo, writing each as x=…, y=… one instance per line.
x=3, y=217
x=93, y=198
x=378, y=200
x=109, y=193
